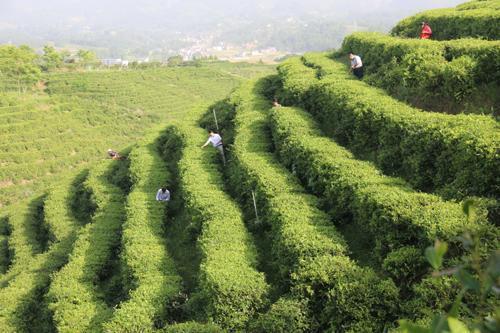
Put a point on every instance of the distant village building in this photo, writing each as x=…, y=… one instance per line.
x=114, y=62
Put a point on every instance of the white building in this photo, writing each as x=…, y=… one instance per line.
x=114, y=62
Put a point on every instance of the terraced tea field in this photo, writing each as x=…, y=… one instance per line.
x=318, y=222
x=80, y=115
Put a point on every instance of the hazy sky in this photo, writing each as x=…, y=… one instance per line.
x=188, y=13
x=124, y=28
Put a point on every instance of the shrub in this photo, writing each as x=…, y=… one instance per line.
x=459, y=81
x=410, y=67
x=21, y=302
x=485, y=53
x=285, y=315
x=455, y=155
x=473, y=282
x=357, y=300
x=405, y=265
x=394, y=214
x=402, y=222
x=74, y=293
x=149, y=274
x=472, y=20
x=230, y=289
x=307, y=250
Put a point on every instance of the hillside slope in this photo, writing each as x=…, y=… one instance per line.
x=75, y=117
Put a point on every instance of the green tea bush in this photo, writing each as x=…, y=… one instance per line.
x=309, y=253
x=24, y=222
x=401, y=221
x=230, y=289
x=21, y=302
x=149, y=271
x=285, y=315
x=474, y=278
x=357, y=300
x=456, y=155
x=17, y=238
x=485, y=53
x=478, y=4
x=378, y=49
x=478, y=19
x=297, y=80
x=426, y=69
x=405, y=265
x=356, y=192
x=458, y=78
x=74, y=294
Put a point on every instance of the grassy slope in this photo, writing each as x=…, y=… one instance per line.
x=45, y=134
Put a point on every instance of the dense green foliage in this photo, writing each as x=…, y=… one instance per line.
x=149, y=273
x=477, y=19
x=75, y=296
x=310, y=255
x=477, y=277
x=230, y=289
x=456, y=155
x=18, y=68
x=46, y=134
x=21, y=297
x=356, y=190
x=430, y=73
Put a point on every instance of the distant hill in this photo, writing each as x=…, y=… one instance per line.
x=131, y=28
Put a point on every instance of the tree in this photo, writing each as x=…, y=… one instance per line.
x=19, y=64
x=51, y=59
x=86, y=56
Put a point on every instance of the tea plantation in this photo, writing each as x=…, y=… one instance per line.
x=320, y=221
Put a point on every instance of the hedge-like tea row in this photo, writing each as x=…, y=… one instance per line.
x=30, y=278
x=378, y=50
x=149, y=270
x=22, y=239
x=298, y=79
x=455, y=154
x=321, y=63
x=393, y=214
x=74, y=297
x=478, y=19
x=401, y=221
x=310, y=254
x=230, y=289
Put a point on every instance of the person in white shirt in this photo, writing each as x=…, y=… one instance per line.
x=163, y=194
x=356, y=65
x=216, y=141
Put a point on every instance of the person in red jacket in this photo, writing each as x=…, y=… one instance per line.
x=426, y=31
